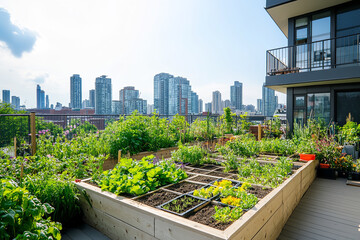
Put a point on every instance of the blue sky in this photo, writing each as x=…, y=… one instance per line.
x=211, y=42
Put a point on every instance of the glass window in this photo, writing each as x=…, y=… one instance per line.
x=348, y=22
x=318, y=106
x=301, y=22
x=347, y=103
x=320, y=26
x=299, y=116
x=301, y=35
x=300, y=101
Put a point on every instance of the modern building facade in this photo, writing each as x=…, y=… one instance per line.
x=259, y=106
x=47, y=102
x=208, y=107
x=161, y=93
x=15, y=102
x=75, y=92
x=92, y=98
x=130, y=101
x=201, y=106
x=216, y=102
x=236, y=95
x=319, y=70
x=194, y=103
x=103, y=95
x=6, y=96
x=269, y=102
x=116, y=107
x=40, y=98
x=179, y=96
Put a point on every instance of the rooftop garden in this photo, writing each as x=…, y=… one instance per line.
x=38, y=192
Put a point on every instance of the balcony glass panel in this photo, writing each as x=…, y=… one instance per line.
x=347, y=103
x=318, y=106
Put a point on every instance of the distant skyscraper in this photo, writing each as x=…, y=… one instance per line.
x=75, y=91
x=208, y=107
x=38, y=96
x=130, y=101
x=150, y=108
x=15, y=101
x=269, y=101
x=6, y=96
x=194, y=103
x=116, y=107
x=227, y=103
x=179, y=96
x=216, y=102
x=92, y=98
x=47, y=104
x=259, y=106
x=201, y=104
x=42, y=99
x=161, y=93
x=86, y=104
x=103, y=95
x=236, y=95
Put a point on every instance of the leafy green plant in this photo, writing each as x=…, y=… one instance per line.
x=227, y=119
x=61, y=194
x=22, y=215
x=278, y=146
x=349, y=133
x=182, y=204
x=245, y=146
x=227, y=214
x=267, y=174
x=189, y=154
x=139, y=177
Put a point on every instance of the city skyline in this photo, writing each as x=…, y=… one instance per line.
x=215, y=56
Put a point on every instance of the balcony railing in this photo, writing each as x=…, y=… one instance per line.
x=319, y=55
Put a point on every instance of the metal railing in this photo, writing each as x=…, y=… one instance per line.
x=14, y=125
x=319, y=55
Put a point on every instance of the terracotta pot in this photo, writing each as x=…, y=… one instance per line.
x=307, y=157
x=324, y=165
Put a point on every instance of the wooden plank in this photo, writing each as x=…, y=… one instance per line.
x=167, y=230
x=353, y=183
x=144, y=211
x=75, y=233
x=249, y=224
x=299, y=233
x=114, y=207
x=112, y=227
x=272, y=227
x=318, y=227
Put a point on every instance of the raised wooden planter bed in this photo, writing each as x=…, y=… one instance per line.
x=123, y=218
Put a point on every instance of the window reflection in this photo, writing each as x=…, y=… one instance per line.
x=318, y=106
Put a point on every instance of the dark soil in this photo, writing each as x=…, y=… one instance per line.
x=182, y=204
x=157, y=198
x=204, y=216
x=220, y=169
x=209, y=167
x=220, y=174
x=197, y=170
x=259, y=192
x=233, y=176
x=203, y=179
x=184, y=187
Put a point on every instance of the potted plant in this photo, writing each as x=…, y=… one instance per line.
x=355, y=174
x=349, y=135
x=307, y=151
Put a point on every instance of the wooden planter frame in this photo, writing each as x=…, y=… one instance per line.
x=123, y=218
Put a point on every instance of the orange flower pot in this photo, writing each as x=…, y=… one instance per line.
x=307, y=157
x=324, y=165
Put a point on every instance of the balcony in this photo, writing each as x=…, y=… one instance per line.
x=332, y=59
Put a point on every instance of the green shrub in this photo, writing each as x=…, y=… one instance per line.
x=139, y=177
x=61, y=194
x=189, y=154
x=22, y=215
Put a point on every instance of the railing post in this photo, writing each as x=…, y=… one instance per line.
x=259, y=132
x=33, y=133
